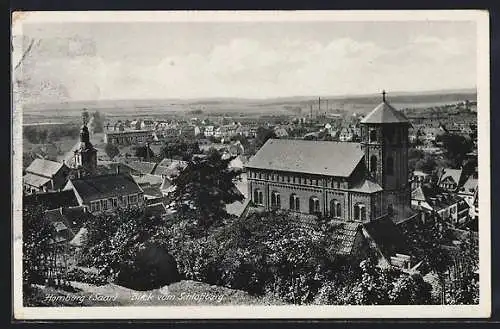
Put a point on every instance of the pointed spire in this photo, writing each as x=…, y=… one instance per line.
x=383, y=95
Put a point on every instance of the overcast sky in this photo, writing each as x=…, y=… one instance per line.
x=92, y=61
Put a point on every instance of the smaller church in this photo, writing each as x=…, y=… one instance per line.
x=85, y=157
x=346, y=181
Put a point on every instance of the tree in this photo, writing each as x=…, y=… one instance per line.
x=262, y=135
x=111, y=150
x=98, y=122
x=180, y=149
x=117, y=242
x=427, y=164
x=36, y=243
x=144, y=152
x=204, y=187
x=456, y=147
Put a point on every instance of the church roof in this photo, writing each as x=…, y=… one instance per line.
x=366, y=186
x=313, y=157
x=385, y=113
x=105, y=186
x=44, y=167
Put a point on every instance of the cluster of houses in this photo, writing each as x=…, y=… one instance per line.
x=361, y=182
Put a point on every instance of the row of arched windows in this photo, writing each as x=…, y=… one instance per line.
x=314, y=205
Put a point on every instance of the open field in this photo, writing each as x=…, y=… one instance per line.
x=69, y=112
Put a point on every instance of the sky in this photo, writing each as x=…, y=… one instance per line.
x=163, y=60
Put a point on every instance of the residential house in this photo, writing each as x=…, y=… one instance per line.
x=45, y=175
x=418, y=178
x=432, y=200
x=107, y=192
x=450, y=179
x=209, y=131
x=347, y=134
x=280, y=132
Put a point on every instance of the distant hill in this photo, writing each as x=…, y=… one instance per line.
x=270, y=105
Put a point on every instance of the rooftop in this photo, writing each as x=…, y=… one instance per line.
x=385, y=113
x=44, y=167
x=52, y=200
x=314, y=157
x=100, y=187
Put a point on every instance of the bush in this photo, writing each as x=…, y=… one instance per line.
x=76, y=274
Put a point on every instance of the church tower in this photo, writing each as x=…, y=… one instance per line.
x=384, y=140
x=86, y=154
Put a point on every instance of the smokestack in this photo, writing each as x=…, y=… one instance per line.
x=117, y=169
x=319, y=106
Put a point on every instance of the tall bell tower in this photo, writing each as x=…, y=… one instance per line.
x=384, y=139
x=86, y=155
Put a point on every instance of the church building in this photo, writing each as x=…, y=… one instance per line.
x=346, y=181
x=85, y=157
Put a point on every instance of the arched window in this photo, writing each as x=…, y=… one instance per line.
x=360, y=212
x=373, y=135
x=313, y=205
x=275, y=200
x=373, y=163
x=294, y=202
x=258, y=197
x=390, y=166
x=335, y=208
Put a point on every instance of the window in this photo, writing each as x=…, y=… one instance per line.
x=275, y=200
x=373, y=163
x=313, y=205
x=360, y=212
x=104, y=204
x=98, y=206
x=373, y=135
x=258, y=197
x=124, y=200
x=132, y=199
x=115, y=202
x=390, y=166
x=335, y=208
x=390, y=209
x=110, y=203
x=294, y=202
x=288, y=179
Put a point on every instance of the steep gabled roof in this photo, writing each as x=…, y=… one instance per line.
x=45, y=168
x=313, y=157
x=385, y=113
x=454, y=174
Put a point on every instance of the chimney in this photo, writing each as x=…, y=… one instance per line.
x=117, y=169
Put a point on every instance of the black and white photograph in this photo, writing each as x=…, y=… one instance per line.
x=251, y=164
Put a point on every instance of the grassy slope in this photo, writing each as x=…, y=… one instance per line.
x=182, y=293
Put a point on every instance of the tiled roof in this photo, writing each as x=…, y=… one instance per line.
x=366, y=186
x=455, y=174
x=35, y=180
x=470, y=185
x=52, y=200
x=314, y=157
x=385, y=113
x=44, y=167
x=148, y=179
x=142, y=167
x=345, y=236
x=100, y=187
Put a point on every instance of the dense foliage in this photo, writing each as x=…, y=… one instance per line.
x=180, y=149
x=36, y=243
x=204, y=188
x=111, y=150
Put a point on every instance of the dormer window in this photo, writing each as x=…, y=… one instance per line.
x=373, y=135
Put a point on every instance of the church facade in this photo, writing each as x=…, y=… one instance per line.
x=360, y=182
